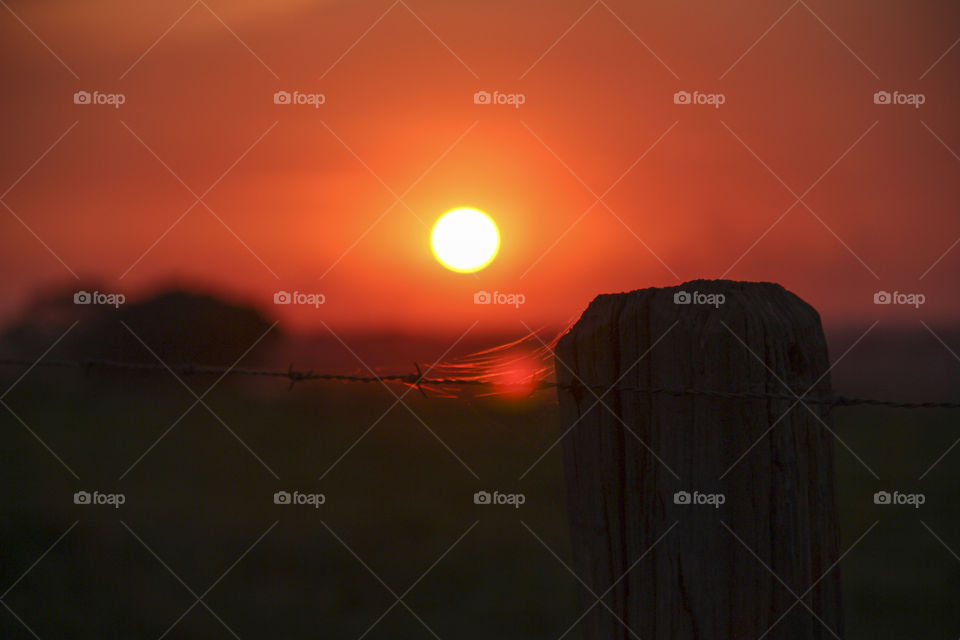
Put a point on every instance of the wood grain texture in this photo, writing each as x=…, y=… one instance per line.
x=700, y=581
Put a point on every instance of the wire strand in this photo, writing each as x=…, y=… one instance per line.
x=420, y=381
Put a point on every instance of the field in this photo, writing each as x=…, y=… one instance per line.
x=399, y=519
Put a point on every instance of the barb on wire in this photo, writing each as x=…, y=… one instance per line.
x=420, y=378
x=420, y=381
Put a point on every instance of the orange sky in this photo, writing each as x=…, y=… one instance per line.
x=307, y=208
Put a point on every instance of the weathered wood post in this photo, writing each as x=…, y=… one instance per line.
x=773, y=465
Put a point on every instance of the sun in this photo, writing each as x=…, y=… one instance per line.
x=465, y=240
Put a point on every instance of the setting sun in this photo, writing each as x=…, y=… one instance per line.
x=465, y=240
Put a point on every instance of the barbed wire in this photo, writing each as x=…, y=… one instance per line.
x=421, y=381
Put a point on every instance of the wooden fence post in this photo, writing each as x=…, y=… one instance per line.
x=625, y=459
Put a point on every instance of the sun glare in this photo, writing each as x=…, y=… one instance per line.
x=465, y=240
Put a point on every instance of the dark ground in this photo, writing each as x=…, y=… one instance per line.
x=399, y=500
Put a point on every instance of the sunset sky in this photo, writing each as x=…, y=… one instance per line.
x=599, y=181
